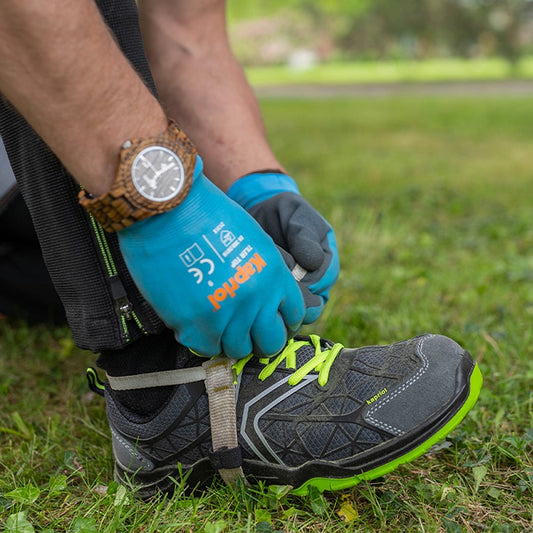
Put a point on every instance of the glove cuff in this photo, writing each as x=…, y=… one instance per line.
x=259, y=186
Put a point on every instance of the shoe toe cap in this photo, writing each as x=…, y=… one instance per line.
x=428, y=393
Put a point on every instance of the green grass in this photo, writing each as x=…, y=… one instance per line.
x=429, y=70
x=432, y=202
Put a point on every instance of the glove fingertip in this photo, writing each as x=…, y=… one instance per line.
x=199, y=349
x=273, y=343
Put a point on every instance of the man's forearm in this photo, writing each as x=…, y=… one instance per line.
x=61, y=68
x=202, y=86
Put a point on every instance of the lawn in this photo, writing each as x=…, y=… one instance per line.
x=432, y=201
x=392, y=71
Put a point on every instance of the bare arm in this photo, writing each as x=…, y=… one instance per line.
x=61, y=69
x=203, y=87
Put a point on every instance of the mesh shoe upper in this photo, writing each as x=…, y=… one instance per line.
x=317, y=411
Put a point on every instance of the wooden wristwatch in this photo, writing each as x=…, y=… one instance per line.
x=154, y=175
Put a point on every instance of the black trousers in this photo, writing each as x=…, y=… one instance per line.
x=102, y=305
x=26, y=290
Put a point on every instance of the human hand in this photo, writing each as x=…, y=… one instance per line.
x=213, y=275
x=274, y=200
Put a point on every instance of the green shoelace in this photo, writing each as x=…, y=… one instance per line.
x=321, y=362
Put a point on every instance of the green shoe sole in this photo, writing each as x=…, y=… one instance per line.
x=325, y=484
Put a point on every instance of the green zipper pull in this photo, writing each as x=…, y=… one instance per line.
x=122, y=304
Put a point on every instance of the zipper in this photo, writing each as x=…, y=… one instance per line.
x=123, y=305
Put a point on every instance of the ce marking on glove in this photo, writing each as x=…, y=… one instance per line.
x=194, y=255
x=198, y=273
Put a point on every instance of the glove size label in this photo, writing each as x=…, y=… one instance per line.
x=242, y=274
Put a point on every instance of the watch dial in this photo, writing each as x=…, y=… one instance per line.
x=158, y=173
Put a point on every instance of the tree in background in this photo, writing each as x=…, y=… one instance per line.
x=385, y=29
x=425, y=28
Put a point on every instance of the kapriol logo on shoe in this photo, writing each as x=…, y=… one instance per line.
x=242, y=275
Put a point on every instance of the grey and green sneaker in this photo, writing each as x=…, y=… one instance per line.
x=317, y=415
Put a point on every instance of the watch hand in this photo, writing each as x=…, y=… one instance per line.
x=145, y=160
x=162, y=170
x=151, y=182
x=165, y=167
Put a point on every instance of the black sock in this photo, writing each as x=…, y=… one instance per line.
x=152, y=353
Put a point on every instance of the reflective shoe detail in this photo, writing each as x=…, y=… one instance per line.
x=317, y=415
x=322, y=484
x=126, y=454
x=396, y=411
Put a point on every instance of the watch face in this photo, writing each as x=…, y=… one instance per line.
x=158, y=173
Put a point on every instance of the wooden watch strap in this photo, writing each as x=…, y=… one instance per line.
x=123, y=204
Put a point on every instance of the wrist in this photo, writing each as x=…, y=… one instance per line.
x=97, y=164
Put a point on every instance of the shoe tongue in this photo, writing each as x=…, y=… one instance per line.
x=304, y=354
x=308, y=350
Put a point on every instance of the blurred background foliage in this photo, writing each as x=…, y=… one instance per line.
x=302, y=33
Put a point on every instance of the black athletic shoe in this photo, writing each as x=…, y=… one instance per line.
x=317, y=415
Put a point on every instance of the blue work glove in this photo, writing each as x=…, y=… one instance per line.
x=213, y=275
x=274, y=200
